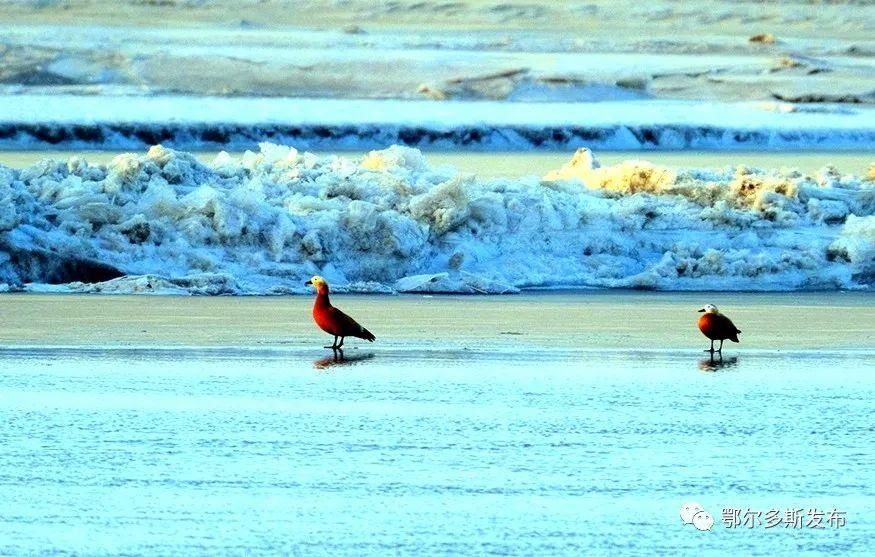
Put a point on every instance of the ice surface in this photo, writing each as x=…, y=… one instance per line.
x=418, y=449
x=261, y=224
x=29, y=121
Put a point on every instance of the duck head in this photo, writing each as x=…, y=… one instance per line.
x=319, y=283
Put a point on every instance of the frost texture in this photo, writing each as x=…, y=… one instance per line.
x=262, y=224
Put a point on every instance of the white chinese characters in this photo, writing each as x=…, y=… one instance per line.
x=791, y=518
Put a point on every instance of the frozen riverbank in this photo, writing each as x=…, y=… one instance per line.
x=165, y=222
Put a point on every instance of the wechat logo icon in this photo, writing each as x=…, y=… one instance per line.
x=695, y=514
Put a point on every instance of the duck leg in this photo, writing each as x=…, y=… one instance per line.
x=721, y=346
x=712, y=347
x=341, y=342
x=333, y=346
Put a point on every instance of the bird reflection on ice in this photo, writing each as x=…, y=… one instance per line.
x=716, y=362
x=338, y=358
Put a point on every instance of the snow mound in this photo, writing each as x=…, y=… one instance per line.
x=263, y=223
x=630, y=176
x=465, y=283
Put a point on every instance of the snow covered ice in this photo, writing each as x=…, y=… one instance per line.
x=164, y=222
x=76, y=122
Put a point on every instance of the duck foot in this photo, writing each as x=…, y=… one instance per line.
x=336, y=346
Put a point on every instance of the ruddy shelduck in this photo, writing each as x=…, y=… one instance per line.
x=332, y=320
x=717, y=326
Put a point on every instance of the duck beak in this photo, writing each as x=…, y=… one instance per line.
x=309, y=282
x=702, y=310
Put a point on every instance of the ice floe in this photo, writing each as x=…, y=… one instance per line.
x=164, y=222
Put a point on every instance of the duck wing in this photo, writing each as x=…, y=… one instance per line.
x=349, y=327
x=728, y=327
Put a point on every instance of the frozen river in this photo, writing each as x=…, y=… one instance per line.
x=255, y=442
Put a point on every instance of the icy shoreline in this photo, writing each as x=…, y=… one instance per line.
x=94, y=122
x=388, y=222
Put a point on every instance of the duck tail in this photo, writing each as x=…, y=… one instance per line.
x=367, y=335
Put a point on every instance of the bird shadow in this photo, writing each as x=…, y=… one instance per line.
x=716, y=362
x=338, y=358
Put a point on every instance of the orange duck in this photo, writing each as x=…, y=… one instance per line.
x=717, y=326
x=332, y=320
